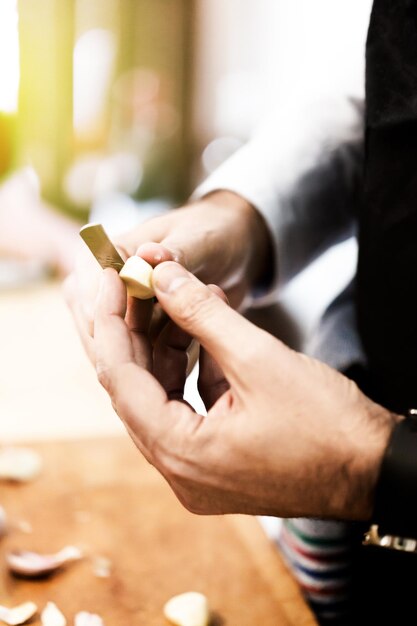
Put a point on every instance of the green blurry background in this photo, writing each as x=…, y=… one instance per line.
x=146, y=97
x=98, y=79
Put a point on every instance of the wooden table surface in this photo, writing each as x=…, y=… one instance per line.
x=101, y=495
x=97, y=492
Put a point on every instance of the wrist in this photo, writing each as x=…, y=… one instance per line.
x=378, y=426
x=257, y=236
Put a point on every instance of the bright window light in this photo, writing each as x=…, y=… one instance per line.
x=94, y=55
x=9, y=56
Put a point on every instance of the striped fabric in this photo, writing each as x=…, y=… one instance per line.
x=318, y=552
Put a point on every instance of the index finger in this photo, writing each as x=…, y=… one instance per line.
x=155, y=253
x=136, y=395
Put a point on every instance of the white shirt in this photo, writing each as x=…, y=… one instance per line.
x=302, y=171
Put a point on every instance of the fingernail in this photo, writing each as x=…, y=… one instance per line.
x=168, y=277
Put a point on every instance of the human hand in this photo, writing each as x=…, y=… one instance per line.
x=284, y=435
x=222, y=239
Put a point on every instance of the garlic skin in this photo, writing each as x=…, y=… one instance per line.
x=88, y=619
x=188, y=609
x=33, y=564
x=137, y=276
x=19, y=464
x=102, y=567
x=52, y=616
x=19, y=614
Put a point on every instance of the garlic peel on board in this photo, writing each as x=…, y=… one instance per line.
x=102, y=567
x=52, y=616
x=136, y=273
x=88, y=619
x=18, y=614
x=32, y=564
x=188, y=609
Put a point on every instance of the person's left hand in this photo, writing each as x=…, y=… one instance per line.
x=284, y=435
x=221, y=238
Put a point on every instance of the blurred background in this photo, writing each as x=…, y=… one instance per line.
x=114, y=110
x=145, y=97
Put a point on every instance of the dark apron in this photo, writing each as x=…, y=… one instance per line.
x=386, y=581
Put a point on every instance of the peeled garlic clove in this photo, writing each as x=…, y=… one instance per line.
x=33, y=564
x=136, y=273
x=20, y=464
x=52, y=616
x=19, y=614
x=88, y=619
x=188, y=609
x=3, y=522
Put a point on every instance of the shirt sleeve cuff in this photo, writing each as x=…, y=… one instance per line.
x=297, y=173
x=237, y=175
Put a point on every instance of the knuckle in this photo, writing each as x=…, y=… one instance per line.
x=178, y=255
x=108, y=377
x=175, y=250
x=103, y=376
x=112, y=379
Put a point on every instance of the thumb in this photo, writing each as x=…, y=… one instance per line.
x=230, y=339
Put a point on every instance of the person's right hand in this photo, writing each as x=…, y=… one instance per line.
x=284, y=434
x=221, y=239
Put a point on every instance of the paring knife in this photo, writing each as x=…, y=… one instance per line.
x=136, y=273
x=106, y=254
x=100, y=245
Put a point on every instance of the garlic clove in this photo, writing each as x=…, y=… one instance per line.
x=88, y=619
x=188, y=609
x=19, y=614
x=136, y=273
x=32, y=564
x=19, y=464
x=52, y=616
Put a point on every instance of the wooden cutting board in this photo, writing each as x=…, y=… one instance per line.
x=101, y=495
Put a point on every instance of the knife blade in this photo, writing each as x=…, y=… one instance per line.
x=101, y=246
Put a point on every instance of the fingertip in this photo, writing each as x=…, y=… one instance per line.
x=155, y=253
x=106, y=279
x=111, y=295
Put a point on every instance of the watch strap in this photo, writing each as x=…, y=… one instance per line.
x=395, y=506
